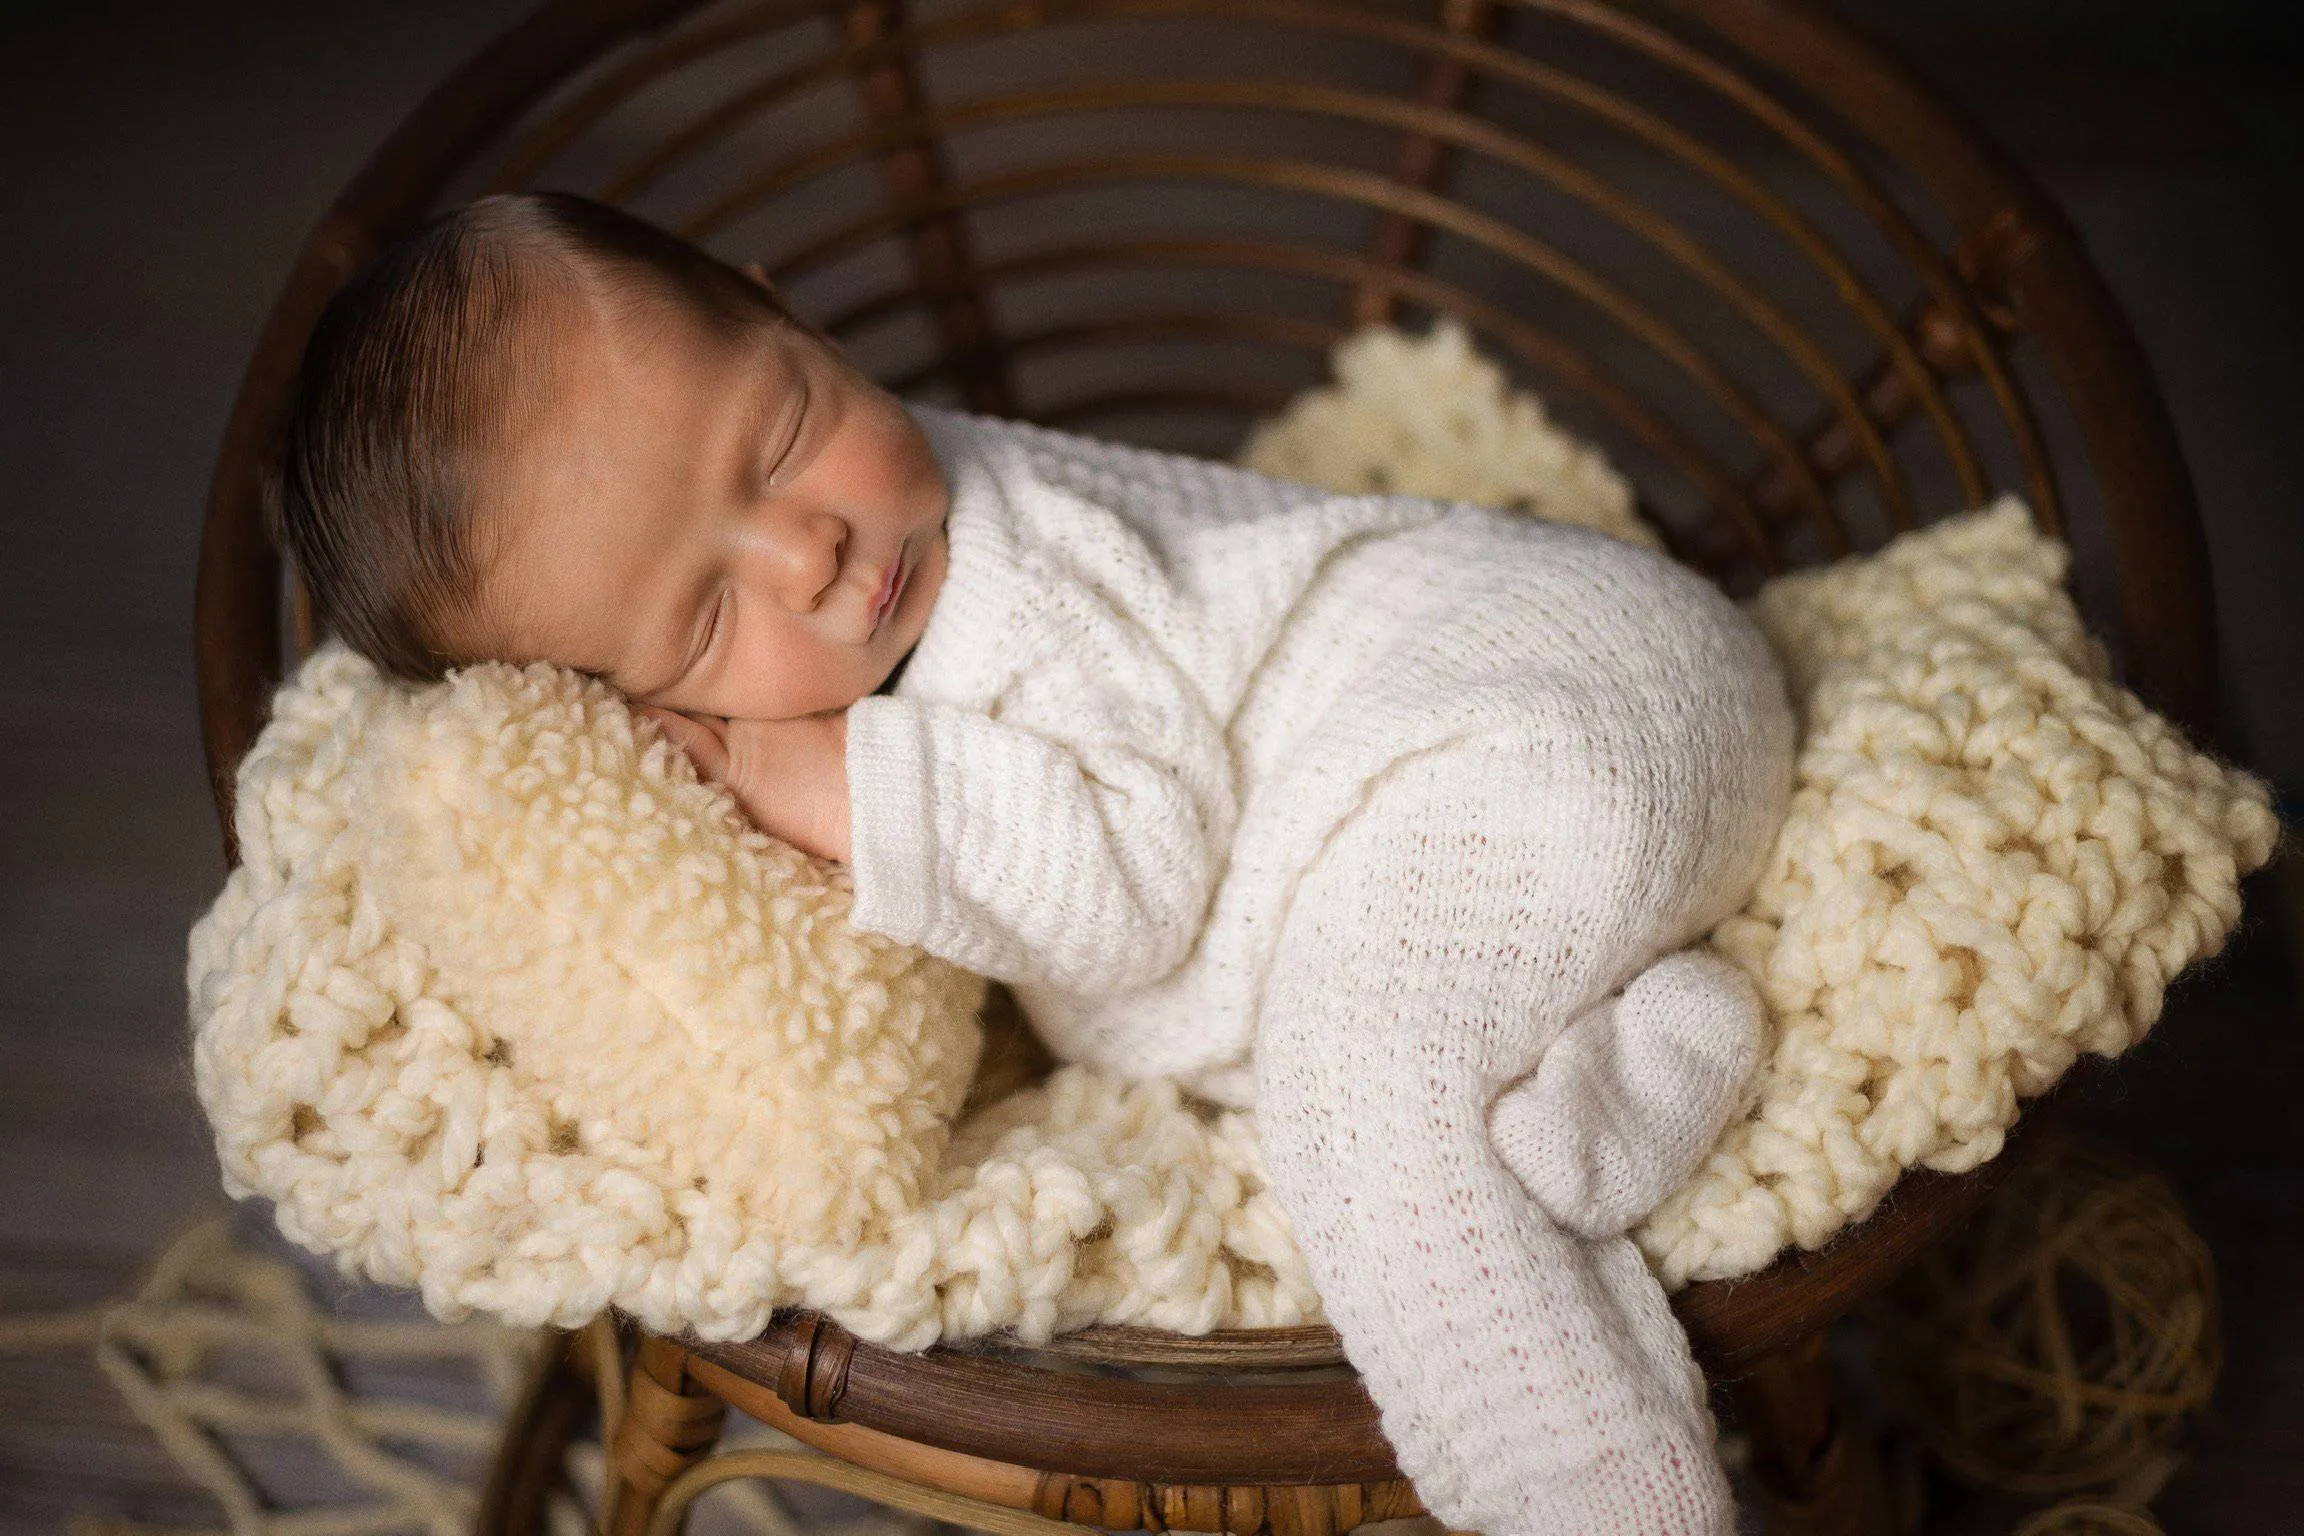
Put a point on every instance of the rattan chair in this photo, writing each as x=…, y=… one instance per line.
x=1799, y=299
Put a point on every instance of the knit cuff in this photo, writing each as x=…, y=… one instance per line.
x=891, y=820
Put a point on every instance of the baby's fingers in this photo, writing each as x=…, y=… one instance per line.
x=704, y=746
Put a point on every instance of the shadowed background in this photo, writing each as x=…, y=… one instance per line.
x=161, y=164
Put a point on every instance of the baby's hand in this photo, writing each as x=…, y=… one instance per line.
x=790, y=776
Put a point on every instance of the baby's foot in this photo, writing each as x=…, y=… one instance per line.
x=1628, y=1101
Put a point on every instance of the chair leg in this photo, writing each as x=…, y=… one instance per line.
x=670, y=1422
x=535, y=1443
x=1816, y=1473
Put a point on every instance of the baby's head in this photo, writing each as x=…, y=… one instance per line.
x=541, y=429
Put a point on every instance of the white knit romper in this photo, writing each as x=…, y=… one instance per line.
x=1484, y=1054
x=1393, y=818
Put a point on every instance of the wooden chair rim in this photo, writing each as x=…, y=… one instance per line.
x=1281, y=1405
x=1077, y=1402
x=2050, y=286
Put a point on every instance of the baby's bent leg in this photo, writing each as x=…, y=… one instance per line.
x=1533, y=1383
x=1626, y=1104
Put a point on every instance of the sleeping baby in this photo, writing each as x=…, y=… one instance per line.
x=1395, y=819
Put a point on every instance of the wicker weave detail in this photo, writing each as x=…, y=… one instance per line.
x=667, y=1423
x=814, y=1376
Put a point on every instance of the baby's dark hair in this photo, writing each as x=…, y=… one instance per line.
x=416, y=369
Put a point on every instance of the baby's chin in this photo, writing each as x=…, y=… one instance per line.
x=894, y=671
x=916, y=602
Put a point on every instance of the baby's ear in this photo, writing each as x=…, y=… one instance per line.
x=759, y=274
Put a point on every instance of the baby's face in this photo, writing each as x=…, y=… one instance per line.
x=707, y=524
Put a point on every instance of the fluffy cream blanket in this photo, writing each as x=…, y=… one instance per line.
x=505, y=1004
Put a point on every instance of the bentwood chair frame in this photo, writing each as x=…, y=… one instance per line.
x=2003, y=320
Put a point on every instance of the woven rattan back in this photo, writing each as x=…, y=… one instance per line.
x=1796, y=298
x=1800, y=302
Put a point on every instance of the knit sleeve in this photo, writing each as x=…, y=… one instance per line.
x=1083, y=858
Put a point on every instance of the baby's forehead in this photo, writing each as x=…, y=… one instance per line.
x=608, y=396
x=576, y=295
x=566, y=336
x=552, y=305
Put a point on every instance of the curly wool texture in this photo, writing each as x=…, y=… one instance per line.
x=1996, y=859
x=504, y=1003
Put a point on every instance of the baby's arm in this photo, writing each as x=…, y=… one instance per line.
x=1625, y=1105
x=790, y=776
x=1018, y=857
x=1084, y=860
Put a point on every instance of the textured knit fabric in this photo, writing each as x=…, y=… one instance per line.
x=1388, y=817
x=1995, y=859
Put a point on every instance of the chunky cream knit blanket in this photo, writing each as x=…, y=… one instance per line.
x=503, y=1003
